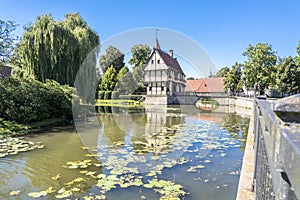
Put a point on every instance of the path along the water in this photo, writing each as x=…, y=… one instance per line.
x=246, y=178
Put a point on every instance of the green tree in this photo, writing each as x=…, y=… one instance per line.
x=233, y=79
x=52, y=49
x=222, y=72
x=140, y=55
x=7, y=40
x=261, y=60
x=190, y=78
x=125, y=83
x=297, y=57
x=288, y=76
x=122, y=73
x=109, y=79
x=112, y=57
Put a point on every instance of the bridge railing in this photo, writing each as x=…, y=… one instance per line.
x=277, y=155
x=204, y=94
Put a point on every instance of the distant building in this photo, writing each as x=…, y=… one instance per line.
x=5, y=71
x=206, y=85
x=163, y=75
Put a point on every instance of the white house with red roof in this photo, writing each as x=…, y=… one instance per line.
x=163, y=75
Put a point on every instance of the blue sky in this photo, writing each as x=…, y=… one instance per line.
x=223, y=28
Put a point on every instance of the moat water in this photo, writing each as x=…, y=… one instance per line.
x=199, y=151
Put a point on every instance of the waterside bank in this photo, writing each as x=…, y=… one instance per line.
x=245, y=191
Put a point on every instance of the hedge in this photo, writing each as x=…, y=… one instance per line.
x=101, y=94
x=107, y=95
x=27, y=101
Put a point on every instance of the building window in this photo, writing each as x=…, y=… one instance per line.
x=162, y=88
x=152, y=61
x=150, y=88
x=158, y=61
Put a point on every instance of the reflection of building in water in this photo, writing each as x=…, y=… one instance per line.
x=215, y=117
x=158, y=129
x=156, y=119
x=150, y=131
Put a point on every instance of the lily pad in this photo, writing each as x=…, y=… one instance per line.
x=13, y=193
x=37, y=194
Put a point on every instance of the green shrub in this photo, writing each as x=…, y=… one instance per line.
x=107, y=95
x=101, y=94
x=26, y=101
x=11, y=128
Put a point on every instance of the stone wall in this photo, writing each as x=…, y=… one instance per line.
x=240, y=102
x=156, y=100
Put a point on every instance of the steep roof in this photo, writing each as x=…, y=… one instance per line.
x=168, y=60
x=5, y=71
x=171, y=62
x=205, y=85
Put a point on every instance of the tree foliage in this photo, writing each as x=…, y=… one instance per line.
x=112, y=57
x=7, y=40
x=261, y=60
x=233, y=79
x=109, y=79
x=288, y=76
x=140, y=55
x=297, y=57
x=222, y=72
x=126, y=83
x=122, y=73
x=52, y=49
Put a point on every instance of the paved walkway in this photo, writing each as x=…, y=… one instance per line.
x=246, y=177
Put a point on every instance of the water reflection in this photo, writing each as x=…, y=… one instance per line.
x=161, y=135
x=166, y=142
x=237, y=126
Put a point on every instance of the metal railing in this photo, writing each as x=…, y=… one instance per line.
x=277, y=155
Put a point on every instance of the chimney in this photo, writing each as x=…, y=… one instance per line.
x=171, y=53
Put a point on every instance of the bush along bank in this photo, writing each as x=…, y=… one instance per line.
x=30, y=104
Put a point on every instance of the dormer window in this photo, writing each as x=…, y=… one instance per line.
x=158, y=61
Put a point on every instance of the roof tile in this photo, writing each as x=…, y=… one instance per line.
x=171, y=62
x=205, y=85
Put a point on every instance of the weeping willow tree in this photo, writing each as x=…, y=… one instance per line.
x=53, y=49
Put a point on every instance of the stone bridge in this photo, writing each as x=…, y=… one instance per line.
x=191, y=98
